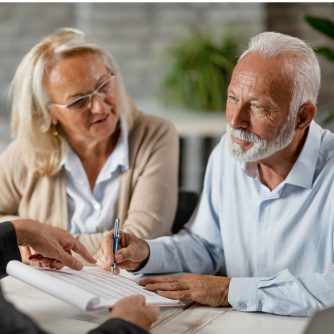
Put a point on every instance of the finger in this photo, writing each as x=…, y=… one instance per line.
x=68, y=260
x=105, y=253
x=103, y=262
x=128, y=265
x=177, y=295
x=154, y=311
x=138, y=299
x=159, y=279
x=79, y=248
x=173, y=286
x=129, y=253
x=56, y=265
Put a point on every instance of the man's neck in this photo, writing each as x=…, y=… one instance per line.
x=274, y=170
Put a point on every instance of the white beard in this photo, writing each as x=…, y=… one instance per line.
x=261, y=148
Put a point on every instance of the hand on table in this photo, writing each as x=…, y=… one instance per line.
x=204, y=289
x=134, y=309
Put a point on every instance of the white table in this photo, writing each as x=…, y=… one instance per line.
x=56, y=316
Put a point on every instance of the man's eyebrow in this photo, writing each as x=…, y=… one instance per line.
x=230, y=90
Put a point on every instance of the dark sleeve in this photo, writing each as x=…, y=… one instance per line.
x=13, y=321
x=118, y=326
x=8, y=246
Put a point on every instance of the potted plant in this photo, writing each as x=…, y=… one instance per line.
x=326, y=27
x=200, y=72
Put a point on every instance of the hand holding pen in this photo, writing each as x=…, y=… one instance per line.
x=115, y=246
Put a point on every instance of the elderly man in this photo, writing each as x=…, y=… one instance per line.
x=266, y=216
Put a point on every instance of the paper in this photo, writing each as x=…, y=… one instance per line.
x=88, y=289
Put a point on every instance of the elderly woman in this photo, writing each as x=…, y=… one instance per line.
x=83, y=153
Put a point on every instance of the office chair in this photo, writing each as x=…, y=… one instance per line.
x=187, y=201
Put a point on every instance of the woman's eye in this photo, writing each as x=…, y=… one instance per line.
x=104, y=88
x=80, y=103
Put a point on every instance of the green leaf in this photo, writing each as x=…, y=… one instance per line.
x=321, y=24
x=329, y=118
x=326, y=52
x=199, y=72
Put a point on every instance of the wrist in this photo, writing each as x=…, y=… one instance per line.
x=144, y=262
x=23, y=231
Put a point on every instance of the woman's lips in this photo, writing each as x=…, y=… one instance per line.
x=101, y=119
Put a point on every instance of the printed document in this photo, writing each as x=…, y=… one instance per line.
x=89, y=289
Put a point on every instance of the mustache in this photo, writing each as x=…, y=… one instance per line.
x=243, y=135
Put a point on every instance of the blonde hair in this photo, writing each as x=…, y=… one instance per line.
x=31, y=122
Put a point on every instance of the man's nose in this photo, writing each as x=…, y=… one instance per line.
x=240, y=117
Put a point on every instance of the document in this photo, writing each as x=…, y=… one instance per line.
x=88, y=289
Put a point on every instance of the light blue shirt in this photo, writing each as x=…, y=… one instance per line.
x=94, y=211
x=277, y=246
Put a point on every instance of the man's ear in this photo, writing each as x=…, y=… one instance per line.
x=305, y=115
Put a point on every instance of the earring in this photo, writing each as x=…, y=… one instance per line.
x=55, y=132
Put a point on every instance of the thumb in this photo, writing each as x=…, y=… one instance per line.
x=125, y=254
x=154, y=311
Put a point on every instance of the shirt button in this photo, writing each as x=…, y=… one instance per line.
x=97, y=206
x=242, y=306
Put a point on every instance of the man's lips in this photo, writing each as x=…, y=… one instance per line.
x=240, y=141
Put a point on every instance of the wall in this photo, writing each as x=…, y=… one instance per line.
x=140, y=35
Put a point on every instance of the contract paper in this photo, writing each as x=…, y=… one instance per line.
x=88, y=289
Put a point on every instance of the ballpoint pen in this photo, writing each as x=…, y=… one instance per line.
x=115, y=248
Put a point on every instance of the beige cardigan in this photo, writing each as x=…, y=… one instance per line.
x=148, y=189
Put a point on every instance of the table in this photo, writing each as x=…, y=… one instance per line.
x=56, y=316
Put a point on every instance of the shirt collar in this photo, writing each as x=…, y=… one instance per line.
x=303, y=170
x=118, y=159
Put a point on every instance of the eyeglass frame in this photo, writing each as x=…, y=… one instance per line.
x=90, y=95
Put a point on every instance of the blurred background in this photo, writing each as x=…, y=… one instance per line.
x=176, y=58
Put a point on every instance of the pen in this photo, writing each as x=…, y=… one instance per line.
x=115, y=248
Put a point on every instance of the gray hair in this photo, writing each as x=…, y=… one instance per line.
x=301, y=64
x=31, y=121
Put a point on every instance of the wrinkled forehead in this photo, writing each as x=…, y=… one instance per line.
x=258, y=74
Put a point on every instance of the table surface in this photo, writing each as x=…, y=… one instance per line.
x=56, y=316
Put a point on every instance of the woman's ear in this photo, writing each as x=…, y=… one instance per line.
x=54, y=119
x=305, y=115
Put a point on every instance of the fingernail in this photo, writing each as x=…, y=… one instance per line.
x=78, y=265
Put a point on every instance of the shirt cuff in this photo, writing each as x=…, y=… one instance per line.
x=242, y=294
x=155, y=264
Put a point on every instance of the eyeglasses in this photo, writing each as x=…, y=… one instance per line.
x=84, y=102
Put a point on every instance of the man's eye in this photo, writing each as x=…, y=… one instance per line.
x=80, y=103
x=256, y=107
x=232, y=98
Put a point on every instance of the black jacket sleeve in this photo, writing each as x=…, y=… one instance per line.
x=14, y=322
x=8, y=246
x=118, y=326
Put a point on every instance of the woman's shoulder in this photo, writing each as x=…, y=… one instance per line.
x=11, y=152
x=152, y=124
